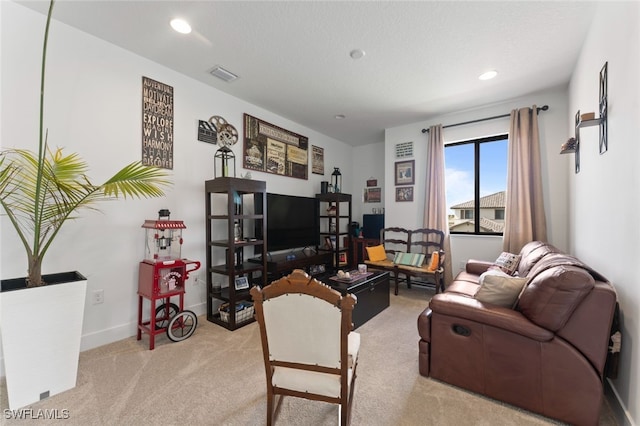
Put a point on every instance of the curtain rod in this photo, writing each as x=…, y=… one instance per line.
x=538, y=109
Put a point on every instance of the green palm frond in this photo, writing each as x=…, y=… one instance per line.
x=64, y=190
x=136, y=180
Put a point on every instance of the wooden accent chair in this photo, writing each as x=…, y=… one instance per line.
x=399, y=241
x=425, y=240
x=309, y=348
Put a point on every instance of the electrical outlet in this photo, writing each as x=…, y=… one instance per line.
x=98, y=297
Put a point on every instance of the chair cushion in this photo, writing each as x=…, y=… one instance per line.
x=384, y=264
x=463, y=287
x=318, y=383
x=434, y=263
x=409, y=259
x=499, y=288
x=376, y=253
x=308, y=381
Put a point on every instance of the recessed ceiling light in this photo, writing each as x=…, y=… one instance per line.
x=356, y=53
x=488, y=75
x=340, y=116
x=181, y=26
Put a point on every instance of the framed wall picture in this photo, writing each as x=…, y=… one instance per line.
x=373, y=195
x=342, y=258
x=242, y=283
x=405, y=172
x=404, y=193
x=317, y=160
x=272, y=149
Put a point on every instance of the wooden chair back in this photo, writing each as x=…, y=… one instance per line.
x=309, y=348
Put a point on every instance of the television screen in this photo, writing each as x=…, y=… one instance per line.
x=292, y=221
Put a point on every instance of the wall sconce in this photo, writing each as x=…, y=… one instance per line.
x=336, y=180
x=587, y=120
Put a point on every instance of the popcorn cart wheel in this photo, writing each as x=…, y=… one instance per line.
x=182, y=326
x=164, y=313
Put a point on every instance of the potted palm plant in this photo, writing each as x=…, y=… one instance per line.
x=39, y=192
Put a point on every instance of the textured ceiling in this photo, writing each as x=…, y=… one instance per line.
x=422, y=58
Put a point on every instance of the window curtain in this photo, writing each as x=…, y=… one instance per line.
x=435, y=203
x=524, y=217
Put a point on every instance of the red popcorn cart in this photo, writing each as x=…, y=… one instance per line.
x=162, y=277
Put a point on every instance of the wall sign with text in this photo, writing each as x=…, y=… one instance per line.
x=157, y=124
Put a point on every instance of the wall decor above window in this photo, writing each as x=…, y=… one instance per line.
x=272, y=149
x=404, y=150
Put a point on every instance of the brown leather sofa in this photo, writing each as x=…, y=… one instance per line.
x=546, y=355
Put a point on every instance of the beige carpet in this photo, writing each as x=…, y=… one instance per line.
x=217, y=377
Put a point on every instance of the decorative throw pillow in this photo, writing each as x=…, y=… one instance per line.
x=434, y=263
x=507, y=262
x=376, y=253
x=499, y=288
x=409, y=259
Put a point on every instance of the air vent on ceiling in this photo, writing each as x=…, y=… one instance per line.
x=223, y=74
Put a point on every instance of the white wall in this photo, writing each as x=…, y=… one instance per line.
x=93, y=107
x=604, y=197
x=555, y=169
x=368, y=162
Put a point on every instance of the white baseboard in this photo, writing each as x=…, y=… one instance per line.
x=620, y=411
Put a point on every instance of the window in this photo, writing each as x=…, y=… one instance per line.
x=476, y=181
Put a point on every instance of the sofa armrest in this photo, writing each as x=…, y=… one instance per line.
x=459, y=306
x=477, y=267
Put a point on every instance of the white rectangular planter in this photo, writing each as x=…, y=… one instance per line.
x=41, y=329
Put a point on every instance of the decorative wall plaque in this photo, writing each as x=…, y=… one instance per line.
x=317, y=160
x=157, y=124
x=404, y=149
x=272, y=149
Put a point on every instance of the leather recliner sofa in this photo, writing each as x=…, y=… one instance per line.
x=546, y=355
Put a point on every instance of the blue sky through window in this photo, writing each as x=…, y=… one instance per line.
x=459, y=170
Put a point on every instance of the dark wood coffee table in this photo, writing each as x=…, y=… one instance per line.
x=372, y=293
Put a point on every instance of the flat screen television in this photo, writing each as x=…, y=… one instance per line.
x=292, y=221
